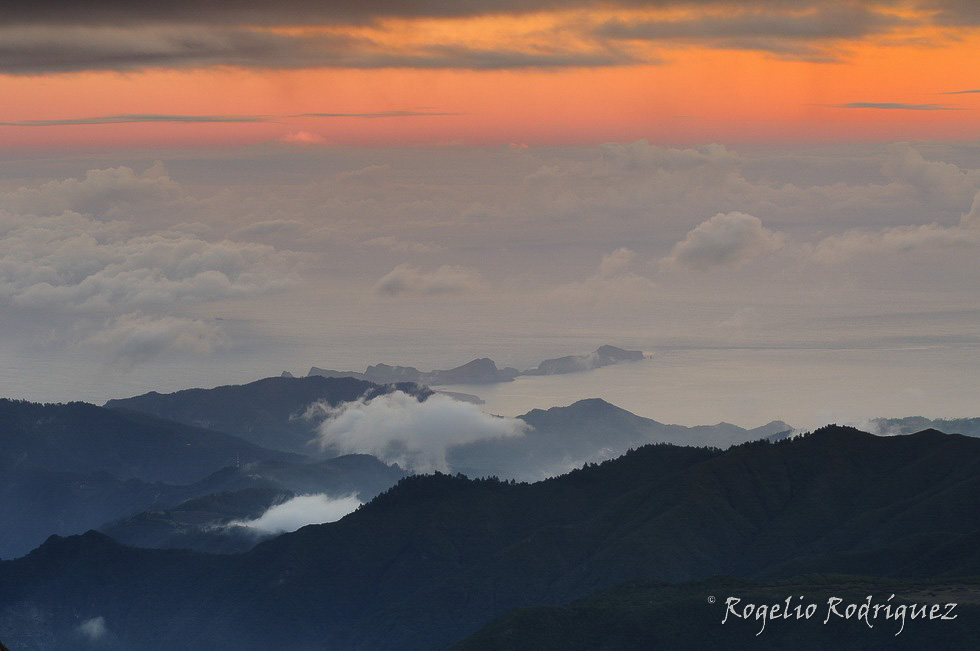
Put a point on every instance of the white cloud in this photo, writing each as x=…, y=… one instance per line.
x=726, y=240
x=136, y=338
x=76, y=261
x=613, y=278
x=641, y=155
x=94, y=629
x=397, y=428
x=901, y=239
x=299, y=512
x=399, y=245
x=406, y=279
x=112, y=193
x=938, y=181
x=971, y=219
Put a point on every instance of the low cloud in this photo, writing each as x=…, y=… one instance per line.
x=727, y=240
x=299, y=512
x=397, y=428
x=399, y=245
x=136, y=338
x=71, y=260
x=900, y=239
x=113, y=193
x=614, y=277
x=406, y=279
x=936, y=181
x=93, y=629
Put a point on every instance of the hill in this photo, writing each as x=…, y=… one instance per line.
x=82, y=438
x=65, y=469
x=245, y=493
x=587, y=431
x=267, y=412
x=657, y=615
x=437, y=557
x=484, y=370
x=908, y=425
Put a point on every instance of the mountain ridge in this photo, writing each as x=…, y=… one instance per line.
x=436, y=557
x=483, y=370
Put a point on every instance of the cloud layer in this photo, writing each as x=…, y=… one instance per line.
x=109, y=35
x=299, y=512
x=406, y=279
x=726, y=240
x=397, y=428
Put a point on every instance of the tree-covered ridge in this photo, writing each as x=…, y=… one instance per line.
x=436, y=557
x=268, y=412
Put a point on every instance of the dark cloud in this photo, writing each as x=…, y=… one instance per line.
x=788, y=33
x=897, y=106
x=43, y=50
x=281, y=12
x=955, y=13
x=39, y=50
x=319, y=12
x=444, y=56
x=961, y=92
x=70, y=36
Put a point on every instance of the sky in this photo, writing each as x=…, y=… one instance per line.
x=778, y=201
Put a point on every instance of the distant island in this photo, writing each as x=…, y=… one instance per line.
x=485, y=371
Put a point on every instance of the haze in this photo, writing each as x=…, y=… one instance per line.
x=778, y=201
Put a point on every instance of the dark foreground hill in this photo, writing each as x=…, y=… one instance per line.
x=437, y=557
x=244, y=493
x=65, y=469
x=704, y=615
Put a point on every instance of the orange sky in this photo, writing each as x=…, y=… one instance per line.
x=695, y=92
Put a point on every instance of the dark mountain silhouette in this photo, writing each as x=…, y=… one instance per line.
x=602, y=356
x=245, y=494
x=82, y=438
x=267, y=412
x=477, y=371
x=65, y=469
x=484, y=370
x=562, y=438
x=437, y=557
x=587, y=431
x=908, y=425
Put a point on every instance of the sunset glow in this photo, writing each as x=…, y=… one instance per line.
x=552, y=77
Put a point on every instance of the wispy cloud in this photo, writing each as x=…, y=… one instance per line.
x=406, y=279
x=961, y=92
x=792, y=31
x=897, y=106
x=373, y=116
x=136, y=118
